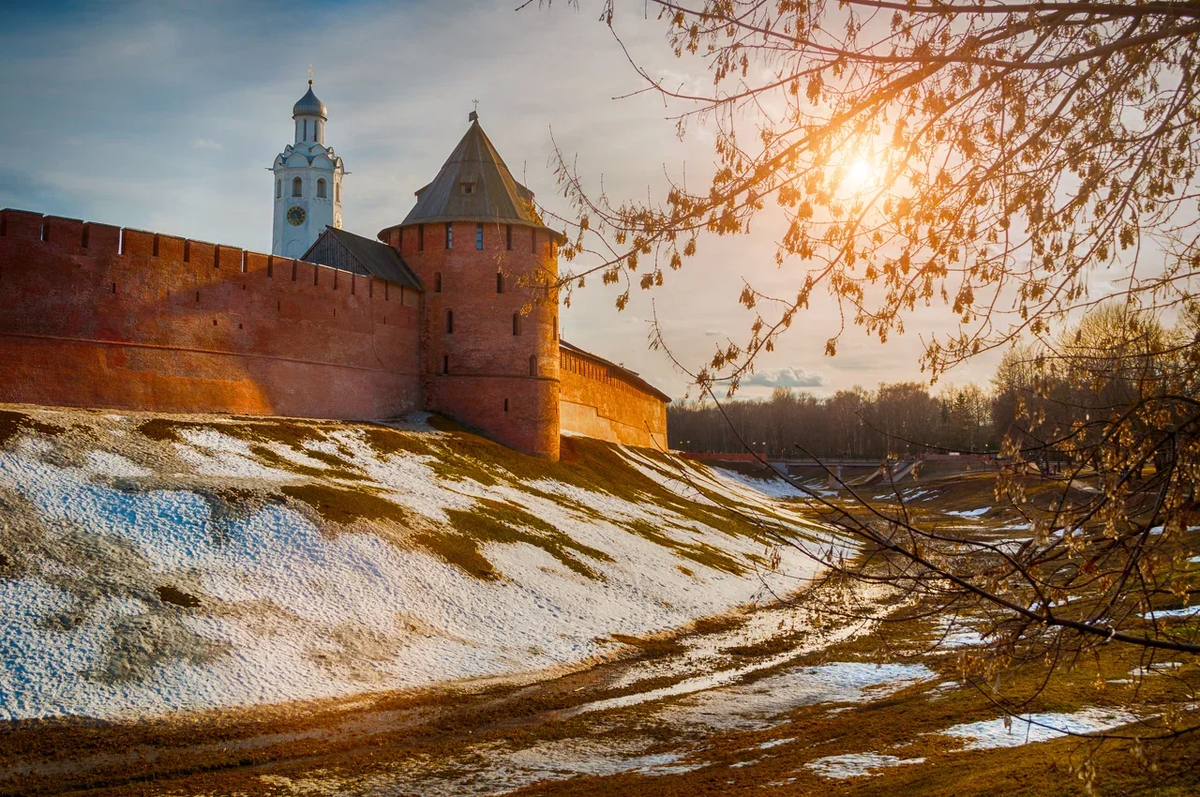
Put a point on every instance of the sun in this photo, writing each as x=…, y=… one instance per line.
x=859, y=174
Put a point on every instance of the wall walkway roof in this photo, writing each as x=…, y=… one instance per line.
x=350, y=252
x=622, y=372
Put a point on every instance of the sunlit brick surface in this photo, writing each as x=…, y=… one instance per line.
x=95, y=316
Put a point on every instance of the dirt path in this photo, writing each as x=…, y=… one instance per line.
x=759, y=703
x=261, y=750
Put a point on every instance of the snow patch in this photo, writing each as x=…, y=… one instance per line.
x=971, y=513
x=855, y=765
x=1031, y=728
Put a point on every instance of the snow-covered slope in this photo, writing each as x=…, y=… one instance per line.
x=150, y=564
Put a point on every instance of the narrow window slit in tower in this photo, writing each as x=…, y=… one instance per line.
x=239, y=326
x=420, y=237
x=154, y=253
x=533, y=365
x=516, y=323
x=86, y=229
x=114, y=287
x=187, y=250
x=449, y=322
x=499, y=282
x=197, y=295
x=216, y=257
x=449, y=235
x=278, y=306
x=479, y=236
x=437, y=282
x=506, y=405
x=445, y=364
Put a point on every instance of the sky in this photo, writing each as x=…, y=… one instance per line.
x=167, y=116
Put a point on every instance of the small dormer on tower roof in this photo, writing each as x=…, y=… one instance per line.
x=474, y=184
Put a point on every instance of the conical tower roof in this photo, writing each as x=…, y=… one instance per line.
x=474, y=184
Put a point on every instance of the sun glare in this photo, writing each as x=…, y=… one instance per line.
x=859, y=175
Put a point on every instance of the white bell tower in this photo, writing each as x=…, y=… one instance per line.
x=308, y=182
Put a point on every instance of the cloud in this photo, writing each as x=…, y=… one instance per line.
x=206, y=143
x=786, y=377
x=716, y=333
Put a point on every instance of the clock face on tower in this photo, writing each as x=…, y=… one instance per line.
x=295, y=215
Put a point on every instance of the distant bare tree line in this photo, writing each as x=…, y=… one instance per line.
x=854, y=423
x=1040, y=392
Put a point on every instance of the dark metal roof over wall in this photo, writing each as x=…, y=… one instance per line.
x=623, y=372
x=474, y=184
x=349, y=252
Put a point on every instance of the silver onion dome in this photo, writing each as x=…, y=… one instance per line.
x=309, y=105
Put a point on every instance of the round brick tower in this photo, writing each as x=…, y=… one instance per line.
x=489, y=328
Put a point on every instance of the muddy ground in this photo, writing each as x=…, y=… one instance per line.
x=743, y=704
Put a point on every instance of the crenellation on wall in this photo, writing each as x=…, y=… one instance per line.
x=137, y=243
x=257, y=263
x=169, y=248
x=101, y=239
x=64, y=232
x=229, y=257
x=201, y=254
x=22, y=224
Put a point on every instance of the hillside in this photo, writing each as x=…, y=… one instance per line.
x=151, y=564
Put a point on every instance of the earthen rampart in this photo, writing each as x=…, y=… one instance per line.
x=93, y=315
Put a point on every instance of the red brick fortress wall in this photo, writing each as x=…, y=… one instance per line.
x=479, y=373
x=598, y=401
x=96, y=316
